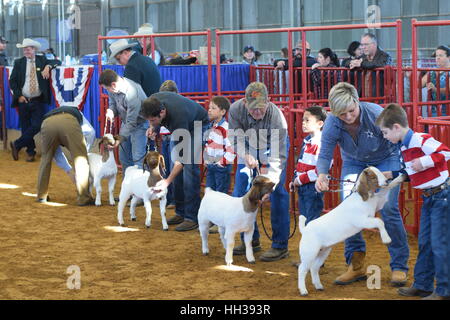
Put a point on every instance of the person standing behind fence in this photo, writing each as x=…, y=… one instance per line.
x=326, y=59
x=442, y=55
x=125, y=99
x=352, y=126
x=139, y=68
x=249, y=56
x=355, y=76
x=310, y=202
x=30, y=85
x=426, y=166
x=263, y=128
x=374, y=57
x=147, y=29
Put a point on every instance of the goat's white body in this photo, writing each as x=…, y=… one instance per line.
x=347, y=219
x=99, y=170
x=135, y=184
x=228, y=214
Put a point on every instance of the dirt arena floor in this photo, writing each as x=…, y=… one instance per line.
x=38, y=243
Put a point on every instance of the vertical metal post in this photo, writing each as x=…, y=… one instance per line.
x=218, y=80
x=210, y=64
x=414, y=84
x=399, y=62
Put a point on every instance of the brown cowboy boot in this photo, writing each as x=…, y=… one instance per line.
x=356, y=270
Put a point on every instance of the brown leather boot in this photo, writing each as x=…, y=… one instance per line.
x=356, y=270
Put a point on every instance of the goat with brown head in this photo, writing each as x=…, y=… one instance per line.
x=107, y=142
x=261, y=186
x=154, y=162
x=369, y=181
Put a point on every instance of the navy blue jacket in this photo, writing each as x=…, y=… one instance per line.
x=143, y=70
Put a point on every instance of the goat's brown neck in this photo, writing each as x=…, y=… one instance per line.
x=154, y=177
x=105, y=155
x=250, y=201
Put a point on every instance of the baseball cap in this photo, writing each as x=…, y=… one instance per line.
x=246, y=48
x=256, y=95
x=3, y=40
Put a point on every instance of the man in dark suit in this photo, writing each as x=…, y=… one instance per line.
x=30, y=84
x=139, y=68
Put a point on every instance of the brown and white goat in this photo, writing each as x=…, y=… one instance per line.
x=355, y=213
x=232, y=215
x=103, y=166
x=139, y=184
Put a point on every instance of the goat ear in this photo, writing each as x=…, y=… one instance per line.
x=363, y=186
x=162, y=163
x=100, y=146
x=144, y=162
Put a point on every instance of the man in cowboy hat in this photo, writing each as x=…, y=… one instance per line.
x=147, y=29
x=139, y=68
x=30, y=85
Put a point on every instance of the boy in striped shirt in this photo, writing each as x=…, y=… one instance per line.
x=310, y=202
x=425, y=162
x=218, y=153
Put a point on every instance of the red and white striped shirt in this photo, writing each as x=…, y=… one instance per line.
x=433, y=156
x=218, y=148
x=305, y=170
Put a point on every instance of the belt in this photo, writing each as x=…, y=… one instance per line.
x=431, y=191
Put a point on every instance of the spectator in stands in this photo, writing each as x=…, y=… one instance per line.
x=138, y=68
x=249, y=56
x=265, y=150
x=284, y=53
x=355, y=76
x=125, y=99
x=282, y=64
x=326, y=59
x=51, y=56
x=177, y=112
x=352, y=126
x=3, y=59
x=374, y=57
x=147, y=29
x=30, y=85
x=442, y=56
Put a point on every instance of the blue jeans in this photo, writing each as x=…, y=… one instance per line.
x=310, y=202
x=30, y=120
x=279, y=206
x=218, y=178
x=398, y=248
x=433, y=259
x=187, y=184
x=132, y=150
x=165, y=146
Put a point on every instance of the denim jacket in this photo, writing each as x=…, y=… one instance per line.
x=370, y=148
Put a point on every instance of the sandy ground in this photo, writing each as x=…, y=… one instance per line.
x=38, y=243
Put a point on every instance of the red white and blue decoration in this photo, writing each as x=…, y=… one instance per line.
x=70, y=85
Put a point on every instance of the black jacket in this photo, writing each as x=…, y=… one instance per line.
x=3, y=60
x=143, y=71
x=17, y=79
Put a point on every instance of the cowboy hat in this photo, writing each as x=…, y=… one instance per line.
x=27, y=42
x=119, y=46
x=145, y=29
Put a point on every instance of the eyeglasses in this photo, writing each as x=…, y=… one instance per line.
x=366, y=44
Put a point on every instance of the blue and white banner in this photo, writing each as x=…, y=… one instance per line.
x=70, y=85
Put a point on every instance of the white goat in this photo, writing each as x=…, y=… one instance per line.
x=103, y=166
x=140, y=183
x=232, y=215
x=355, y=213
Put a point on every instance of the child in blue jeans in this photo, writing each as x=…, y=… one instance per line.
x=218, y=153
x=425, y=162
x=310, y=202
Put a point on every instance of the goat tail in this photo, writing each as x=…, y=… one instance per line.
x=301, y=223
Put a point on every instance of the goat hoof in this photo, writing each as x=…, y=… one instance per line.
x=252, y=262
x=205, y=253
x=165, y=229
x=148, y=227
x=122, y=225
x=304, y=294
x=133, y=219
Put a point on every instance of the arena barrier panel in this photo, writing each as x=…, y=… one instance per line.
x=3, y=110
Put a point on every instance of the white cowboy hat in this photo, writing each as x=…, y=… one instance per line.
x=145, y=29
x=118, y=46
x=27, y=42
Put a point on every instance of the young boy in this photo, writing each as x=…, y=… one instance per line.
x=218, y=154
x=310, y=202
x=425, y=162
